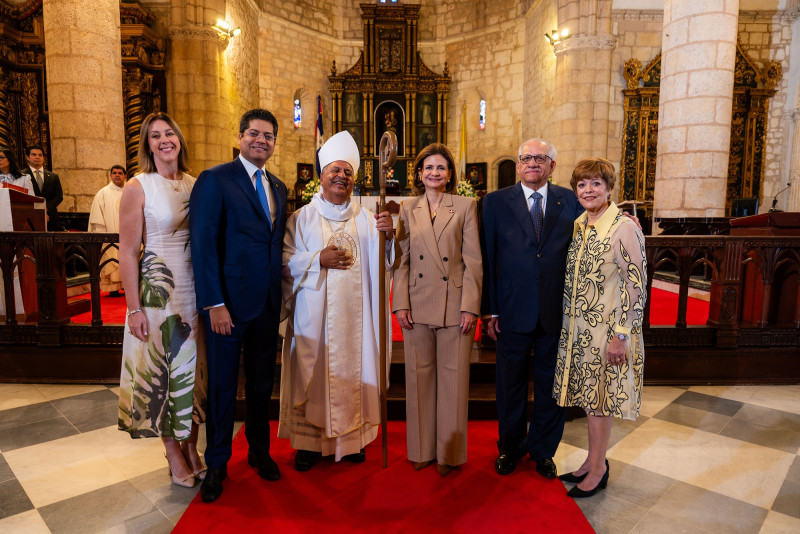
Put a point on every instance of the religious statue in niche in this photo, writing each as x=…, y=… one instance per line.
x=425, y=136
x=305, y=172
x=351, y=109
x=389, y=117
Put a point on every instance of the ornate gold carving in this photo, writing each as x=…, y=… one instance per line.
x=632, y=72
x=368, y=172
x=30, y=107
x=772, y=74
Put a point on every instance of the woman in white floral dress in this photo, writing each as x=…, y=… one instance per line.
x=163, y=379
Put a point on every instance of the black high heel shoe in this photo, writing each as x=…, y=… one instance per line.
x=572, y=479
x=577, y=493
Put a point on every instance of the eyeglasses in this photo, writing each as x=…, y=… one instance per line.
x=538, y=158
x=255, y=134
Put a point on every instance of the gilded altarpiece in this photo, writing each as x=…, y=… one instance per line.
x=753, y=88
x=23, y=97
x=390, y=89
x=143, y=77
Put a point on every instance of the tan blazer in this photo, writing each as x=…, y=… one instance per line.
x=440, y=272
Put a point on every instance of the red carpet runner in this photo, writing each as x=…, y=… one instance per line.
x=347, y=497
x=663, y=311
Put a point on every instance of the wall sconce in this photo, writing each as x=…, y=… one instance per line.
x=224, y=28
x=556, y=36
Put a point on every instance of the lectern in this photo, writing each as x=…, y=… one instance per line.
x=21, y=212
x=772, y=301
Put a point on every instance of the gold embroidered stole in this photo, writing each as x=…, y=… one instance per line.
x=344, y=330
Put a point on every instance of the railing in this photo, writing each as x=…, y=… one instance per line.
x=755, y=289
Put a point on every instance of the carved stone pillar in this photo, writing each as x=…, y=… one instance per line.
x=84, y=84
x=697, y=69
x=792, y=200
x=583, y=65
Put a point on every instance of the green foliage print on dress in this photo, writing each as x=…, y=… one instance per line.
x=156, y=284
x=163, y=408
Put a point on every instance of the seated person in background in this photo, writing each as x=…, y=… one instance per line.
x=10, y=172
x=104, y=217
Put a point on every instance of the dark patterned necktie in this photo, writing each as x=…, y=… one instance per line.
x=536, y=214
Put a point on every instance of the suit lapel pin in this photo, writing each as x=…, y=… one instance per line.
x=452, y=211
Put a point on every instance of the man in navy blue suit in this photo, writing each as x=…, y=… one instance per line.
x=527, y=229
x=238, y=217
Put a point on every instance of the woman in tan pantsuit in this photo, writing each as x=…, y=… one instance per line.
x=437, y=294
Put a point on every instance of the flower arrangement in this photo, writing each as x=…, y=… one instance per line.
x=464, y=189
x=310, y=190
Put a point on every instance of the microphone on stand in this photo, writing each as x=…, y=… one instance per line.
x=775, y=200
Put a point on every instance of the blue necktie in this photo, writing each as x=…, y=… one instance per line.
x=536, y=214
x=262, y=197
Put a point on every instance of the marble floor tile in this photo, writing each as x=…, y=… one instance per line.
x=657, y=523
x=90, y=411
x=568, y=457
x=655, y=398
x=25, y=523
x=788, y=500
x=609, y=514
x=794, y=471
x=91, y=460
x=785, y=398
x=13, y=499
x=635, y=485
x=60, y=391
x=150, y=523
x=692, y=505
x=35, y=433
x=776, y=523
x=97, y=510
x=5, y=471
x=16, y=395
x=170, y=499
x=25, y=415
x=770, y=417
x=693, y=418
x=709, y=403
x=706, y=460
x=766, y=435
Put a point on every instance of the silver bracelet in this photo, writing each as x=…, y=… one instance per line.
x=131, y=312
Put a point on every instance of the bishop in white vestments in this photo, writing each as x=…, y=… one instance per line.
x=330, y=363
x=104, y=217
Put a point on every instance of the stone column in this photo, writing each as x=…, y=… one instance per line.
x=583, y=82
x=84, y=86
x=696, y=99
x=195, y=72
x=791, y=198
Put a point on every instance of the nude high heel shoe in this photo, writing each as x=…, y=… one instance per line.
x=187, y=482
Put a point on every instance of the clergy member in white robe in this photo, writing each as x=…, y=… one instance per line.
x=330, y=363
x=104, y=217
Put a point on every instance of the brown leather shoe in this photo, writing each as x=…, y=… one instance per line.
x=422, y=465
x=445, y=469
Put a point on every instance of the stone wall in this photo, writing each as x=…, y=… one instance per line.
x=540, y=74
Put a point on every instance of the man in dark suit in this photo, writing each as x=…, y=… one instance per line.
x=46, y=184
x=527, y=229
x=238, y=218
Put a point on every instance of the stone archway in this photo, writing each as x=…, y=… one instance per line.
x=506, y=173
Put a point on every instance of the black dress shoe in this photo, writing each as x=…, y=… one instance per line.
x=505, y=464
x=546, y=467
x=356, y=458
x=572, y=479
x=267, y=468
x=305, y=460
x=577, y=493
x=211, y=488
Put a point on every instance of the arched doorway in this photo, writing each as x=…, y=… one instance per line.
x=506, y=173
